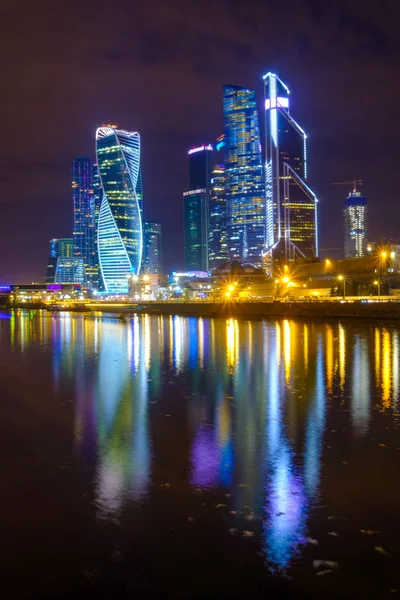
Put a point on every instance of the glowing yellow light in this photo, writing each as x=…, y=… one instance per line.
x=146, y=278
x=285, y=279
x=327, y=262
x=392, y=254
x=228, y=294
x=386, y=369
x=340, y=277
x=231, y=288
x=384, y=254
x=376, y=282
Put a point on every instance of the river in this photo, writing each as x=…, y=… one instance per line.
x=190, y=457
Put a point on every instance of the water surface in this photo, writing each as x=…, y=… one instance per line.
x=195, y=457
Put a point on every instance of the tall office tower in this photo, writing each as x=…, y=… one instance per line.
x=195, y=217
x=139, y=190
x=84, y=219
x=196, y=206
x=244, y=181
x=97, y=195
x=355, y=225
x=152, y=247
x=200, y=165
x=217, y=243
x=291, y=206
x=59, y=248
x=120, y=223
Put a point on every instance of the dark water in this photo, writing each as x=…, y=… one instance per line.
x=182, y=457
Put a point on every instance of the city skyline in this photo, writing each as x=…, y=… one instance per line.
x=329, y=57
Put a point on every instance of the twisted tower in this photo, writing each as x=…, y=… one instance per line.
x=119, y=234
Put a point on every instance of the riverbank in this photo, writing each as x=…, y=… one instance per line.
x=386, y=310
x=247, y=310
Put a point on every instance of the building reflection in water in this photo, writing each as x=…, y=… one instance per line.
x=255, y=399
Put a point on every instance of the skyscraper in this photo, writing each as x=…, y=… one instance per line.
x=97, y=195
x=291, y=206
x=200, y=165
x=244, y=182
x=355, y=225
x=217, y=243
x=152, y=247
x=84, y=217
x=195, y=216
x=59, y=248
x=139, y=191
x=120, y=223
x=196, y=206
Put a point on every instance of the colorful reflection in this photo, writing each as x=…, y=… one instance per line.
x=247, y=403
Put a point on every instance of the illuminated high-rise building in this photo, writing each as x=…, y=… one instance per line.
x=59, y=248
x=97, y=195
x=196, y=207
x=84, y=216
x=355, y=225
x=120, y=224
x=291, y=206
x=139, y=190
x=200, y=165
x=217, y=242
x=195, y=217
x=152, y=247
x=244, y=181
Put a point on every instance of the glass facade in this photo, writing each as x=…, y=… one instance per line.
x=84, y=216
x=139, y=190
x=355, y=225
x=195, y=215
x=152, y=247
x=70, y=270
x=200, y=165
x=244, y=181
x=59, y=248
x=120, y=223
x=291, y=206
x=217, y=242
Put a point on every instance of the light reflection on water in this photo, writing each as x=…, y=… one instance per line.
x=254, y=396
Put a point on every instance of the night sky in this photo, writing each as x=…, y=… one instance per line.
x=157, y=67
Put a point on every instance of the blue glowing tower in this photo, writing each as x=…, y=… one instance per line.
x=119, y=232
x=244, y=181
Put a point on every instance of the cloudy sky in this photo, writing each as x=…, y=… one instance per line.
x=157, y=67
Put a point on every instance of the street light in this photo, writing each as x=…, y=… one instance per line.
x=342, y=279
x=285, y=280
x=378, y=283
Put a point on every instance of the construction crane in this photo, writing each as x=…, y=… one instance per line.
x=353, y=182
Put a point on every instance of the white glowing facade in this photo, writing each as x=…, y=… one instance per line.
x=355, y=225
x=291, y=206
x=119, y=234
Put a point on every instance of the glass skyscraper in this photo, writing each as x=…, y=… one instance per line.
x=291, y=206
x=59, y=248
x=152, y=247
x=217, y=243
x=200, y=165
x=244, y=181
x=355, y=225
x=84, y=216
x=195, y=217
x=120, y=224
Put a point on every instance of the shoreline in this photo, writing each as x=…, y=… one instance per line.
x=257, y=310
